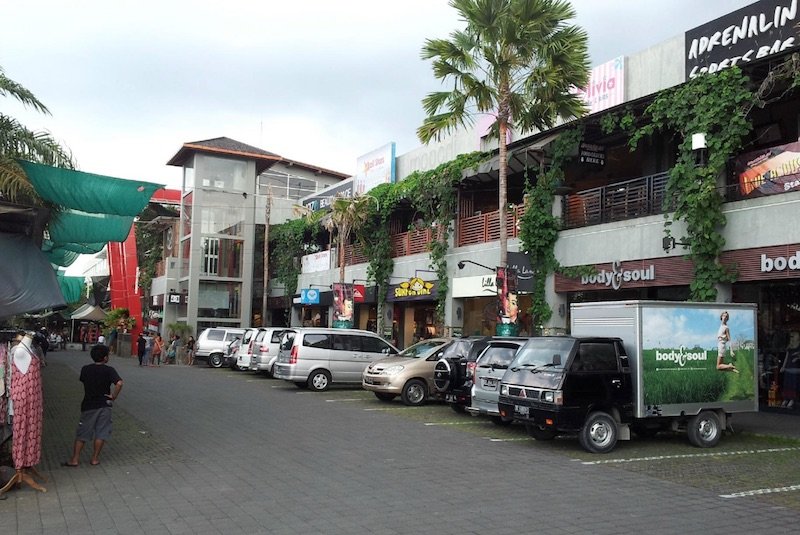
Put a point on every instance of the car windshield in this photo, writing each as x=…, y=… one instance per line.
x=544, y=353
x=421, y=349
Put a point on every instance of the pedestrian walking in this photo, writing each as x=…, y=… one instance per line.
x=158, y=349
x=148, y=349
x=141, y=345
x=95, y=422
x=190, y=351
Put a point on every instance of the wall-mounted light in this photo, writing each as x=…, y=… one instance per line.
x=669, y=243
x=462, y=263
x=700, y=148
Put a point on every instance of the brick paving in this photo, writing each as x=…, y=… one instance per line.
x=197, y=450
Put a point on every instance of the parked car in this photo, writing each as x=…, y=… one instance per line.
x=408, y=374
x=453, y=373
x=265, y=352
x=212, y=344
x=240, y=360
x=490, y=366
x=317, y=357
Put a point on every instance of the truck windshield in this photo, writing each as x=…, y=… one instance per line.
x=548, y=353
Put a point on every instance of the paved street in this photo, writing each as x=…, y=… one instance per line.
x=198, y=450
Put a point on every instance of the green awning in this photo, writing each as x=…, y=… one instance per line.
x=73, y=226
x=61, y=257
x=88, y=192
x=71, y=287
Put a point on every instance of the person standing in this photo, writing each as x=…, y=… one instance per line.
x=190, y=351
x=148, y=349
x=101, y=339
x=95, y=422
x=158, y=349
x=141, y=345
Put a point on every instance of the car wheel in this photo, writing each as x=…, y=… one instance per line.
x=501, y=420
x=301, y=384
x=540, y=432
x=705, y=429
x=460, y=409
x=215, y=360
x=414, y=393
x=271, y=372
x=383, y=396
x=599, y=433
x=319, y=380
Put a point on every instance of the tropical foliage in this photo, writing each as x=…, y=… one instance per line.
x=517, y=60
x=18, y=142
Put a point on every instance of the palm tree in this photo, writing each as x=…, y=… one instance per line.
x=347, y=214
x=17, y=142
x=516, y=59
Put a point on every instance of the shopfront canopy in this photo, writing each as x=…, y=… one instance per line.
x=29, y=283
x=89, y=313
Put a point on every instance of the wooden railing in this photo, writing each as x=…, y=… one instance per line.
x=484, y=228
x=616, y=202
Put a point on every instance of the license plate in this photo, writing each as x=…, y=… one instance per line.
x=490, y=383
x=521, y=411
x=369, y=381
x=450, y=398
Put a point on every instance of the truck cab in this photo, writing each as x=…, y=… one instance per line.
x=555, y=384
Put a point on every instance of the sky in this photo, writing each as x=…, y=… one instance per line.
x=320, y=82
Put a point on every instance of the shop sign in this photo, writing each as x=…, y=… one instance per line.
x=769, y=171
x=780, y=263
x=606, y=87
x=325, y=198
x=359, y=293
x=311, y=263
x=521, y=262
x=754, y=32
x=616, y=276
x=375, y=168
x=158, y=300
x=415, y=289
x=309, y=296
x=177, y=299
x=592, y=154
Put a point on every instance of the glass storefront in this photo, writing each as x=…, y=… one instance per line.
x=219, y=300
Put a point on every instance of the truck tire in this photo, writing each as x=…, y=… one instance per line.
x=599, y=433
x=704, y=429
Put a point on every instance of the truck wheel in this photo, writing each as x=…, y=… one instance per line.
x=705, y=429
x=541, y=432
x=599, y=433
x=215, y=360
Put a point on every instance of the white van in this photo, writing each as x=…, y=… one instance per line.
x=317, y=357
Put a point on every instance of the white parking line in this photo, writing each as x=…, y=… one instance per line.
x=691, y=456
x=509, y=439
x=759, y=492
x=383, y=408
x=345, y=399
x=455, y=423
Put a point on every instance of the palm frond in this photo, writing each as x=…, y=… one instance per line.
x=9, y=87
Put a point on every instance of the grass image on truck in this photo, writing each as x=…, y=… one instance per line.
x=640, y=366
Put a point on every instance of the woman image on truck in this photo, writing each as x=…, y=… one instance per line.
x=723, y=337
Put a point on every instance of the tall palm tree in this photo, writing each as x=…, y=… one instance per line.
x=347, y=214
x=518, y=60
x=17, y=142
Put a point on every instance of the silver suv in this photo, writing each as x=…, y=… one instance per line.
x=212, y=344
x=492, y=363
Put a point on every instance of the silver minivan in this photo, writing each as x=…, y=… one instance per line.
x=265, y=351
x=212, y=344
x=317, y=357
x=492, y=363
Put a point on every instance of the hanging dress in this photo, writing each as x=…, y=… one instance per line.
x=27, y=403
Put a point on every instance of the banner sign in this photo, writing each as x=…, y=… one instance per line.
x=309, y=296
x=606, y=87
x=359, y=293
x=521, y=263
x=754, y=32
x=769, y=171
x=375, y=168
x=592, y=154
x=342, y=302
x=507, y=305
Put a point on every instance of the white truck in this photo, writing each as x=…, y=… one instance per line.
x=637, y=365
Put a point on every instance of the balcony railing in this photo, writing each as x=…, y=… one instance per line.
x=484, y=228
x=617, y=202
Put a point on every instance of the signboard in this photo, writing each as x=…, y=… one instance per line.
x=507, y=304
x=769, y=171
x=606, y=87
x=754, y=32
x=374, y=168
x=415, y=289
x=177, y=299
x=697, y=355
x=342, y=303
x=324, y=198
x=309, y=296
x=592, y=154
x=314, y=262
x=521, y=263
x=359, y=293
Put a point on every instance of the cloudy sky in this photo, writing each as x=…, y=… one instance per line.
x=128, y=82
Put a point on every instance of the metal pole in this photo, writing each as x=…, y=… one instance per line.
x=266, y=258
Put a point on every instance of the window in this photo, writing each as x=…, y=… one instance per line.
x=345, y=342
x=597, y=357
x=320, y=341
x=215, y=334
x=370, y=344
x=210, y=256
x=497, y=356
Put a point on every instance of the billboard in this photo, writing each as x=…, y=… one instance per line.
x=606, y=87
x=697, y=355
x=769, y=171
x=374, y=168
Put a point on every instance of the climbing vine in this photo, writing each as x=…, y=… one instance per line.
x=288, y=242
x=716, y=106
x=539, y=228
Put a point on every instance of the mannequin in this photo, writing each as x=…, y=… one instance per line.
x=26, y=398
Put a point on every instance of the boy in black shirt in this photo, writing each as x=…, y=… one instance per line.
x=95, y=420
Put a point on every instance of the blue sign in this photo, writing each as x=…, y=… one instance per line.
x=309, y=296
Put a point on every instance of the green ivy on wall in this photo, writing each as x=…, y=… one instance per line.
x=287, y=240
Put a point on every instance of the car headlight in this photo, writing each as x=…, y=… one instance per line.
x=393, y=370
x=503, y=390
x=548, y=396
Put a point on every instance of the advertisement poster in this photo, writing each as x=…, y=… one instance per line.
x=507, y=304
x=693, y=355
x=769, y=171
x=374, y=169
x=342, y=305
